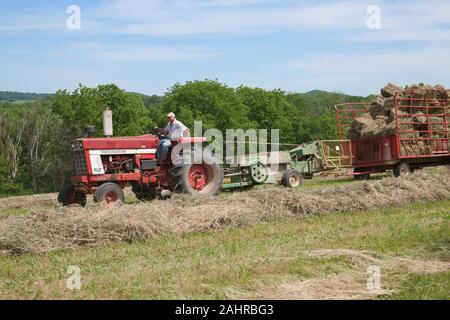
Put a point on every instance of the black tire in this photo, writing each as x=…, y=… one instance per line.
x=109, y=192
x=209, y=173
x=291, y=178
x=144, y=193
x=68, y=196
x=402, y=169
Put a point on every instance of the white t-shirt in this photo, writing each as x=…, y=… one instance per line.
x=175, y=130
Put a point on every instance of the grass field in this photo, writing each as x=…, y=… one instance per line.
x=323, y=257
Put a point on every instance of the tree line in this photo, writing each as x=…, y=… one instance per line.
x=35, y=136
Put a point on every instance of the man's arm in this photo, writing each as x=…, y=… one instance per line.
x=184, y=130
x=161, y=131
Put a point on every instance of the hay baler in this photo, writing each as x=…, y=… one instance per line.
x=321, y=156
x=262, y=168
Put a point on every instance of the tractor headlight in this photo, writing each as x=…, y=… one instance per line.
x=72, y=145
x=80, y=145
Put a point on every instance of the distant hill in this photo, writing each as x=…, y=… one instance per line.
x=11, y=96
x=318, y=101
x=338, y=96
x=312, y=97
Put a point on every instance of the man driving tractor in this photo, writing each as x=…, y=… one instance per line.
x=174, y=131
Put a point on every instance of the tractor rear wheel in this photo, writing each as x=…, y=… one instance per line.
x=109, y=193
x=401, y=169
x=199, y=178
x=68, y=196
x=291, y=179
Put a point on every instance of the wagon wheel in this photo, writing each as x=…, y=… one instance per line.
x=402, y=169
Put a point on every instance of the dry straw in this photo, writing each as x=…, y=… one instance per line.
x=56, y=228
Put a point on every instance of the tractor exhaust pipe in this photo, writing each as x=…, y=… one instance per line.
x=107, y=123
x=90, y=132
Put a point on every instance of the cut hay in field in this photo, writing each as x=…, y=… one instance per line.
x=69, y=227
x=27, y=201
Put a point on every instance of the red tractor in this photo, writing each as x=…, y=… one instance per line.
x=104, y=166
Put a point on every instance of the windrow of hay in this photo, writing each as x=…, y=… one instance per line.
x=68, y=227
x=27, y=201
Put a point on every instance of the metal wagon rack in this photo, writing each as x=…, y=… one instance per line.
x=421, y=138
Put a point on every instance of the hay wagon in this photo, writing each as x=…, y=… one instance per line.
x=417, y=137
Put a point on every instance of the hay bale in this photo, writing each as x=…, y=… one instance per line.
x=390, y=90
x=420, y=118
x=389, y=130
x=437, y=127
x=361, y=126
x=377, y=107
x=442, y=94
x=388, y=105
x=383, y=106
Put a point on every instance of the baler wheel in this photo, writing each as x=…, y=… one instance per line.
x=109, y=193
x=68, y=196
x=259, y=173
x=292, y=179
x=204, y=179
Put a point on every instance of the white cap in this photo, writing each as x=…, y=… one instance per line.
x=171, y=115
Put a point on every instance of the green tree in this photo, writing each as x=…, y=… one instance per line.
x=270, y=110
x=85, y=107
x=215, y=104
x=42, y=144
x=12, y=132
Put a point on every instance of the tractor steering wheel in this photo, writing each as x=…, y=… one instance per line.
x=159, y=132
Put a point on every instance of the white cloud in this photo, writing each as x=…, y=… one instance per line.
x=412, y=45
x=201, y=18
x=401, y=20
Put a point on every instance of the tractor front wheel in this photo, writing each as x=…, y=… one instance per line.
x=292, y=179
x=109, y=193
x=68, y=196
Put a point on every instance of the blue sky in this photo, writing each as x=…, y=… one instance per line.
x=146, y=46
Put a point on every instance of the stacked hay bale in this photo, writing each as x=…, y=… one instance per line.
x=381, y=118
